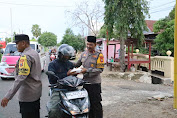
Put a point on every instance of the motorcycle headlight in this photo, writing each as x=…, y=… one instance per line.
x=74, y=110
x=85, y=107
x=85, y=110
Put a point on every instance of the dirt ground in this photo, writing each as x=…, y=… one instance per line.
x=130, y=99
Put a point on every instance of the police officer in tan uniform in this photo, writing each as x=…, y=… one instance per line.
x=93, y=63
x=27, y=80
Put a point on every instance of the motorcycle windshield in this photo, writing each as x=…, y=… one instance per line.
x=71, y=81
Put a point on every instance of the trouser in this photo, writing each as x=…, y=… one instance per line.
x=30, y=109
x=94, y=92
x=31, y=115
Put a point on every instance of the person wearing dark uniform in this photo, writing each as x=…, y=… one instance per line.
x=27, y=79
x=61, y=67
x=93, y=64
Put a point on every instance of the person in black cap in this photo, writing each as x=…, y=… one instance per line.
x=93, y=65
x=27, y=79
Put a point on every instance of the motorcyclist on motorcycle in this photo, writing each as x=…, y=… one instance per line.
x=61, y=67
x=52, y=54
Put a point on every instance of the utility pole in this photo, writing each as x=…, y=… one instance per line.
x=11, y=24
x=175, y=60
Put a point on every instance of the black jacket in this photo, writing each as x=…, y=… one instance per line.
x=60, y=68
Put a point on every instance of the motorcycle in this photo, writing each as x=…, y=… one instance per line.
x=74, y=100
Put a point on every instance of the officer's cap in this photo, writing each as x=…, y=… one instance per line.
x=21, y=37
x=91, y=39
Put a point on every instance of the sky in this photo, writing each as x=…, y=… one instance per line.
x=19, y=15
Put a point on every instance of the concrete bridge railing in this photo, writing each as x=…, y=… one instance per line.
x=160, y=63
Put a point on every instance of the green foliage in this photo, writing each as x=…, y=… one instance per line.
x=172, y=14
x=33, y=39
x=165, y=40
x=122, y=16
x=130, y=50
x=144, y=50
x=48, y=39
x=58, y=44
x=0, y=47
x=9, y=39
x=102, y=32
x=46, y=49
x=75, y=41
x=36, y=30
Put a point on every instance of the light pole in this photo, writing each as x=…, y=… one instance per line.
x=11, y=24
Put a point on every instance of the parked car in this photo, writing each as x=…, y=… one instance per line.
x=11, y=56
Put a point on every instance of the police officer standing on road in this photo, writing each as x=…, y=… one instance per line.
x=93, y=63
x=27, y=79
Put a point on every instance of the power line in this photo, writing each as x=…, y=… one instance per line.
x=161, y=5
x=162, y=10
x=72, y=6
x=32, y=5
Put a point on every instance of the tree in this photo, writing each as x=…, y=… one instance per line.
x=123, y=16
x=48, y=39
x=33, y=39
x=80, y=43
x=75, y=41
x=88, y=16
x=9, y=39
x=36, y=31
x=172, y=14
x=165, y=39
x=102, y=32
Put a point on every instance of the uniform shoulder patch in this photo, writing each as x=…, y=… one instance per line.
x=24, y=68
x=100, y=61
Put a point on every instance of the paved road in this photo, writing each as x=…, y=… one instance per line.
x=12, y=110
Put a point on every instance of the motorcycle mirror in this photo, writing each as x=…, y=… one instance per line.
x=50, y=73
